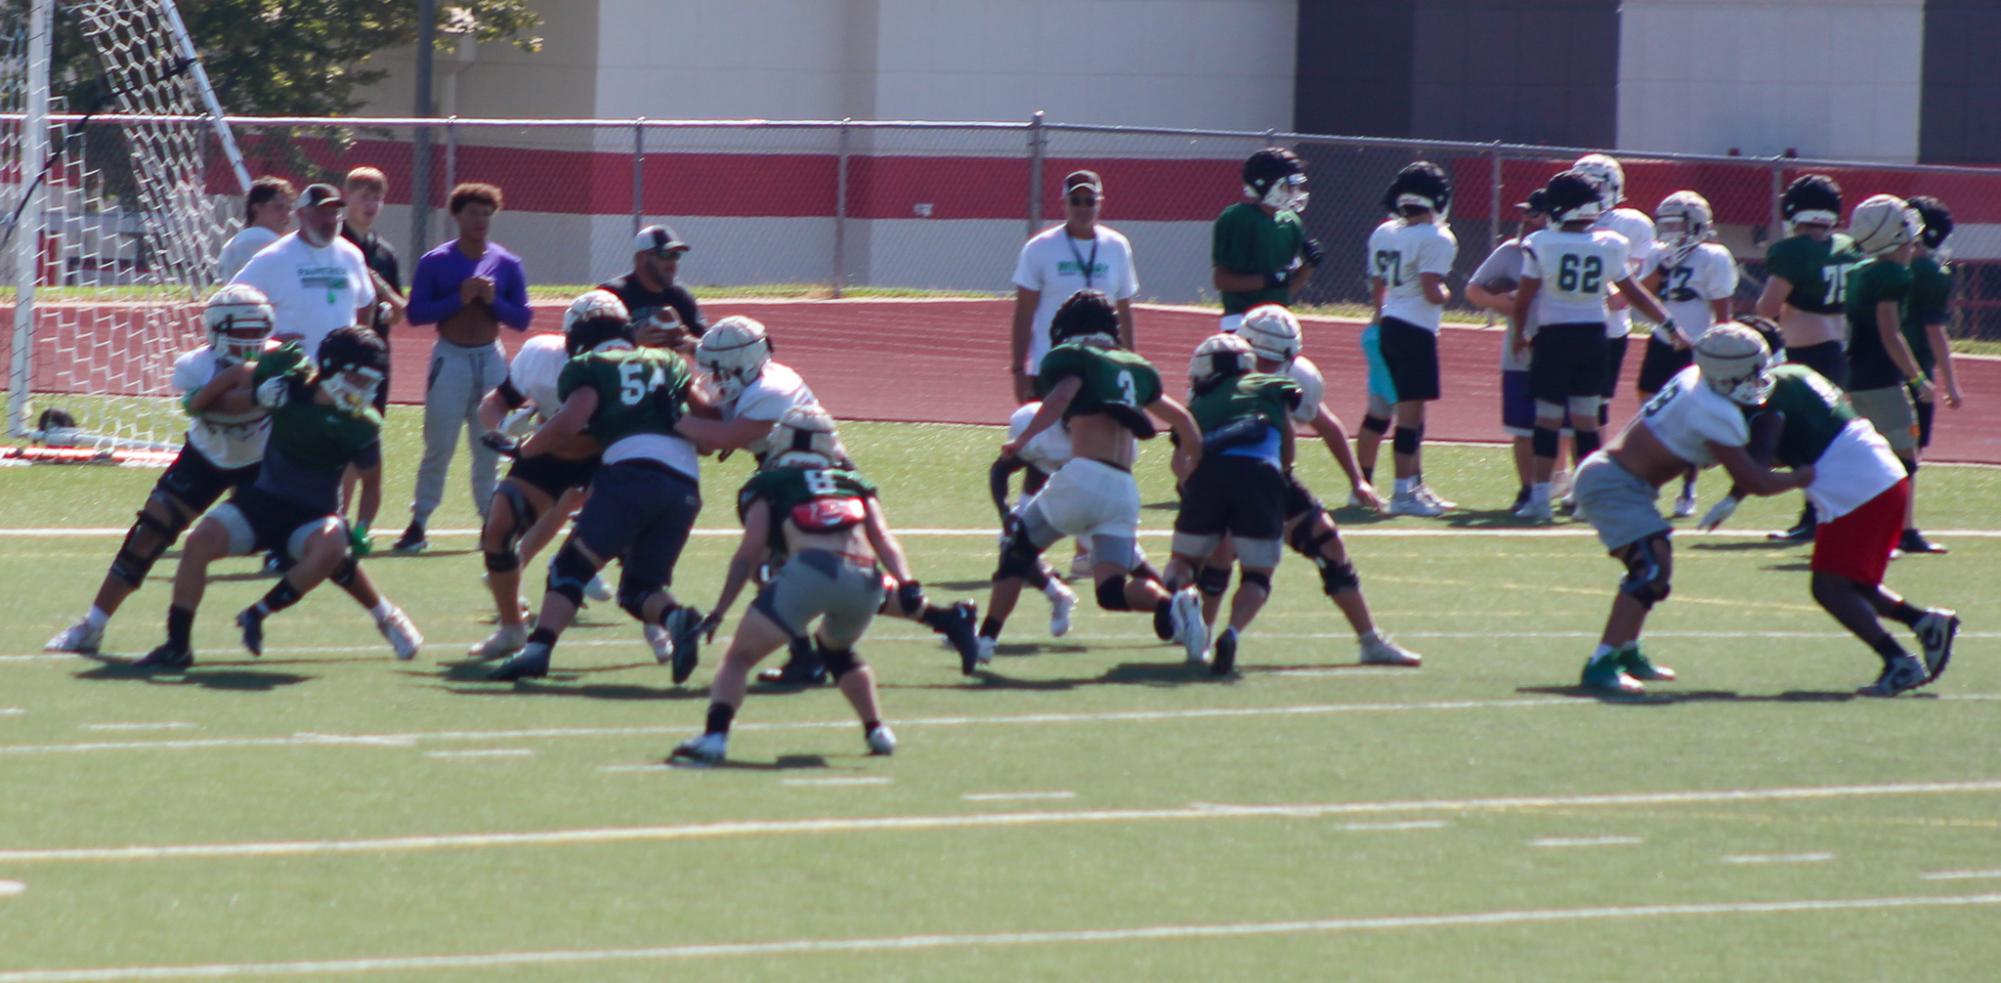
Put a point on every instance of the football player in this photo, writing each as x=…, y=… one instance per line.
x=1258, y=246
x=1925, y=318
x=1696, y=419
x=1274, y=337
x=823, y=518
x=1410, y=255
x=1105, y=395
x=322, y=421
x=1805, y=275
x=1492, y=288
x=1886, y=381
x=226, y=435
x=1569, y=276
x=1638, y=230
x=1694, y=279
x=1039, y=459
x=1859, y=492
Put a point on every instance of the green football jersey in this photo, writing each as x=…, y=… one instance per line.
x=640, y=391
x=311, y=443
x=1815, y=267
x=1870, y=283
x=815, y=499
x=1815, y=409
x=1253, y=398
x=1246, y=240
x=1116, y=382
x=1930, y=303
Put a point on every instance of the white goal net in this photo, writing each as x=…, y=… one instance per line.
x=116, y=203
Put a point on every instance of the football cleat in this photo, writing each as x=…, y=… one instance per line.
x=1638, y=666
x=1801, y=532
x=1185, y=610
x=252, y=624
x=83, y=638
x=1379, y=650
x=707, y=749
x=684, y=629
x=1913, y=541
x=404, y=639
x=1535, y=510
x=1521, y=498
x=597, y=590
x=1684, y=504
x=659, y=641
x=412, y=541
x=963, y=631
x=1609, y=677
x=165, y=658
x=1936, y=631
x=882, y=741
x=1904, y=673
x=532, y=662
x=1424, y=493
x=1062, y=601
x=505, y=641
x=1408, y=503
x=802, y=667
x=987, y=647
x=1224, y=659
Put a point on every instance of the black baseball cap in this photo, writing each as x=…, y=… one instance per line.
x=658, y=240
x=316, y=195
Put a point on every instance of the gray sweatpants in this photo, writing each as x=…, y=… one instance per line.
x=460, y=376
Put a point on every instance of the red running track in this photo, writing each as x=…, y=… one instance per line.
x=945, y=361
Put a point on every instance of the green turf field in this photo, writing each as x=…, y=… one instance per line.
x=1090, y=809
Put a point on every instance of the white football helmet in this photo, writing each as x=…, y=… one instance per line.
x=1272, y=331
x=1219, y=355
x=1735, y=362
x=733, y=353
x=804, y=436
x=1610, y=176
x=1884, y=222
x=239, y=320
x=1683, y=220
x=596, y=318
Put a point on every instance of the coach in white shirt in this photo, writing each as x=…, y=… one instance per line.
x=267, y=212
x=316, y=280
x=1078, y=255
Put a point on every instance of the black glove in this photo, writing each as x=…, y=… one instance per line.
x=910, y=596
x=1312, y=251
x=1274, y=281
x=501, y=443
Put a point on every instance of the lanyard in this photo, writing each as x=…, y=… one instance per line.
x=1089, y=267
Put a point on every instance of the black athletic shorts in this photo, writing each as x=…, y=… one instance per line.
x=1615, y=359
x=640, y=511
x=1826, y=358
x=1567, y=360
x=1660, y=364
x=1299, y=499
x=195, y=481
x=1411, y=353
x=1242, y=496
x=273, y=518
x=551, y=474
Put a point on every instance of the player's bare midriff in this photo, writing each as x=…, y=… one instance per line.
x=1803, y=328
x=1101, y=438
x=851, y=542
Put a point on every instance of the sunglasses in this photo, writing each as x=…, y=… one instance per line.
x=1084, y=201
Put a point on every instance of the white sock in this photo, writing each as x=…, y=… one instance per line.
x=1603, y=652
x=1054, y=589
x=96, y=617
x=382, y=610
x=1404, y=485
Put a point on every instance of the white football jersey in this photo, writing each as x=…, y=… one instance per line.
x=1687, y=415
x=1398, y=254
x=1577, y=270
x=1689, y=283
x=1312, y=388
x=535, y=369
x=1639, y=232
x=1050, y=449
x=228, y=440
x=776, y=389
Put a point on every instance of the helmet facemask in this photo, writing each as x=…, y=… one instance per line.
x=353, y=389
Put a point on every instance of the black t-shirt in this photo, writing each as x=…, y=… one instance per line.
x=641, y=302
x=381, y=258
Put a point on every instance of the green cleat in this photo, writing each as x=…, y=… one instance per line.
x=1639, y=667
x=1608, y=676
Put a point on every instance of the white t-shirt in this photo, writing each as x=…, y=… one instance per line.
x=1053, y=263
x=1639, y=232
x=1050, y=449
x=1856, y=467
x=1689, y=285
x=1687, y=415
x=238, y=250
x=1312, y=388
x=1499, y=273
x=313, y=289
x=535, y=370
x=228, y=440
x=776, y=389
x=1399, y=253
x=1577, y=270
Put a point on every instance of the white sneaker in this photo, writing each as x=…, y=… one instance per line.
x=1354, y=500
x=661, y=641
x=1684, y=504
x=1062, y=601
x=1379, y=650
x=1536, y=510
x=597, y=590
x=504, y=641
x=1185, y=613
x=402, y=634
x=83, y=638
x=707, y=749
x=1559, y=484
x=1409, y=504
x=987, y=646
x=882, y=741
x=1425, y=494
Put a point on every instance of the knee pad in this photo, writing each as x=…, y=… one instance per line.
x=569, y=572
x=1377, y=425
x=343, y=575
x=1339, y=578
x=1406, y=440
x=1307, y=536
x=1112, y=594
x=633, y=602
x=1019, y=556
x=136, y=556
x=839, y=662
x=501, y=561
x=1261, y=579
x=524, y=512
x=1213, y=581
x=1544, y=441
x=1588, y=442
x=1646, y=580
x=1146, y=571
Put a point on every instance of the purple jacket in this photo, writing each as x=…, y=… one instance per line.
x=434, y=287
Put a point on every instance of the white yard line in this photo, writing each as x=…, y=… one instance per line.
x=1018, y=796
x=1576, y=841
x=836, y=781
x=1960, y=875
x=10, y=888
x=498, y=752
x=910, y=943
x=162, y=725
x=11, y=711
x=1778, y=858
x=1200, y=812
x=1414, y=824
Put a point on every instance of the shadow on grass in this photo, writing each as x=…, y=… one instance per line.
x=784, y=762
x=1666, y=698
x=552, y=686
x=1167, y=672
x=225, y=679
x=1740, y=545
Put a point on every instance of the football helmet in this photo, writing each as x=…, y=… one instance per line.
x=353, y=362
x=595, y=318
x=1573, y=196
x=1610, y=176
x=1768, y=329
x=1812, y=199
x=1683, y=220
x=1882, y=223
x=1087, y=314
x=239, y=321
x=805, y=437
x=1421, y=184
x=1937, y=219
x=1219, y=356
x=1735, y=362
x=733, y=353
x=1276, y=178
x=1272, y=331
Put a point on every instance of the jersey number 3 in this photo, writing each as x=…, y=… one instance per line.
x=637, y=380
